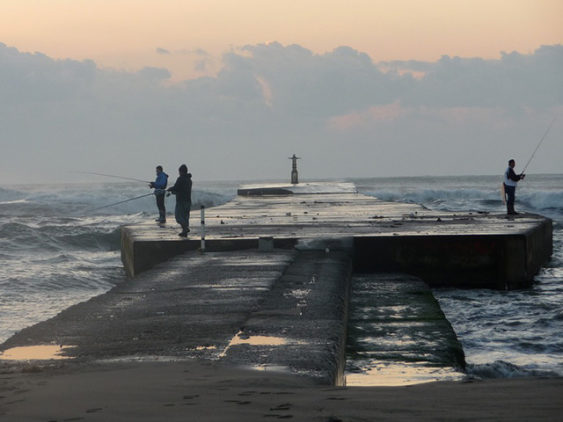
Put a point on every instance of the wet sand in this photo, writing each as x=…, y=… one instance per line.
x=207, y=391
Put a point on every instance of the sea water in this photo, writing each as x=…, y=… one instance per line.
x=58, y=248
x=503, y=333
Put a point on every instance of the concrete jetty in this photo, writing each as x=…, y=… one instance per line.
x=272, y=288
x=444, y=249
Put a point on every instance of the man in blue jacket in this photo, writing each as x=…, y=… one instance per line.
x=510, y=181
x=159, y=186
x=183, y=191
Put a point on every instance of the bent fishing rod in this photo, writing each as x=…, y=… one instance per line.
x=114, y=176
x=538, y=146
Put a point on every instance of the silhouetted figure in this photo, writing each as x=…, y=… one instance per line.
x=159, y=186
x=294, y=175
x=183, y=191
x=510, y=181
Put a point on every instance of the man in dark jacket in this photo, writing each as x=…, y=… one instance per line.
x=159, y=186
x=510, y=181
x=183, y=191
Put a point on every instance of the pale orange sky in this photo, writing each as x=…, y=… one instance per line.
x=125, y=34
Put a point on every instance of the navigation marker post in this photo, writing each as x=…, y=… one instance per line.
x=202, y=229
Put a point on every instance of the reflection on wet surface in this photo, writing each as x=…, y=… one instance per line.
x=241, y=338
x=269, y=368
x=388, y=374
x=43, y=352
x=397, y=334
x=198, y=348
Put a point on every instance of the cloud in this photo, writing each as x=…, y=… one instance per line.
x=154, y=73
x=345, y=114
x=162, y=51
x=384, y=113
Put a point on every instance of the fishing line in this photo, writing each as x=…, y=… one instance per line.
x=539, y=143
x=113, y=175
x=121, y=202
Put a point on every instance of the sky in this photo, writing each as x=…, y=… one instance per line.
x=233, y=88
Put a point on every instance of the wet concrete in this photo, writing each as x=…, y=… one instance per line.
x=280, y=310
x=396, y=324
x=460, y=250
x=188, y=307
x=306, y=310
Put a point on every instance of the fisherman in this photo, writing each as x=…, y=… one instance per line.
x=183, y=191
x=159, y=186
x=510, y=181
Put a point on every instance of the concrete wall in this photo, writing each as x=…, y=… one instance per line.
x=490, y=261
x=498, y=261
x=140, y=255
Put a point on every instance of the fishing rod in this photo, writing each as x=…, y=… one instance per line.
x=114, y=176
x=539, y=143
x=121, y=202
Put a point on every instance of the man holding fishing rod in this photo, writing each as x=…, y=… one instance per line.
x=159, y=186
x=511, y=178
x=183, y=191
x=510, y=181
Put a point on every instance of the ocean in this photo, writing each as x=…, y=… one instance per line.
x=58, y=248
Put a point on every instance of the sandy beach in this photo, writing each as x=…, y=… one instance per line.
x=207, y=391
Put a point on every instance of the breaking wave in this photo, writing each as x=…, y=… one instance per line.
x=474, y=199
x=502, y=369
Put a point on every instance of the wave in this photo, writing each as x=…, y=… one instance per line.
x=10, y=195
x=469, y=199
x=20, y=236
x=502, y=369
x=542, y=200
x=210, y=199
x=85, y=200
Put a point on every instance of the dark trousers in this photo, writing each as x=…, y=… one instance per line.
x=161, y=207
x=510, y=198
x=182, y=214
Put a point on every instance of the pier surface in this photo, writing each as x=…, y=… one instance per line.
x=443, y=248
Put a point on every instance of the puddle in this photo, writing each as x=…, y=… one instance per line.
x=298, y=293
x=200, y=348
x=241, y=338
x=269, y=368
x=400, y=374
x=253, y=341
x=44, y=352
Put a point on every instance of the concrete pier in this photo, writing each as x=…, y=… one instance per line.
x=444, y=249
x=272, y=289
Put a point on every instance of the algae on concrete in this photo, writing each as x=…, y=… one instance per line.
x=395, y=319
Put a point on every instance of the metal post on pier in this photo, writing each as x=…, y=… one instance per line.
x=202, y=229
